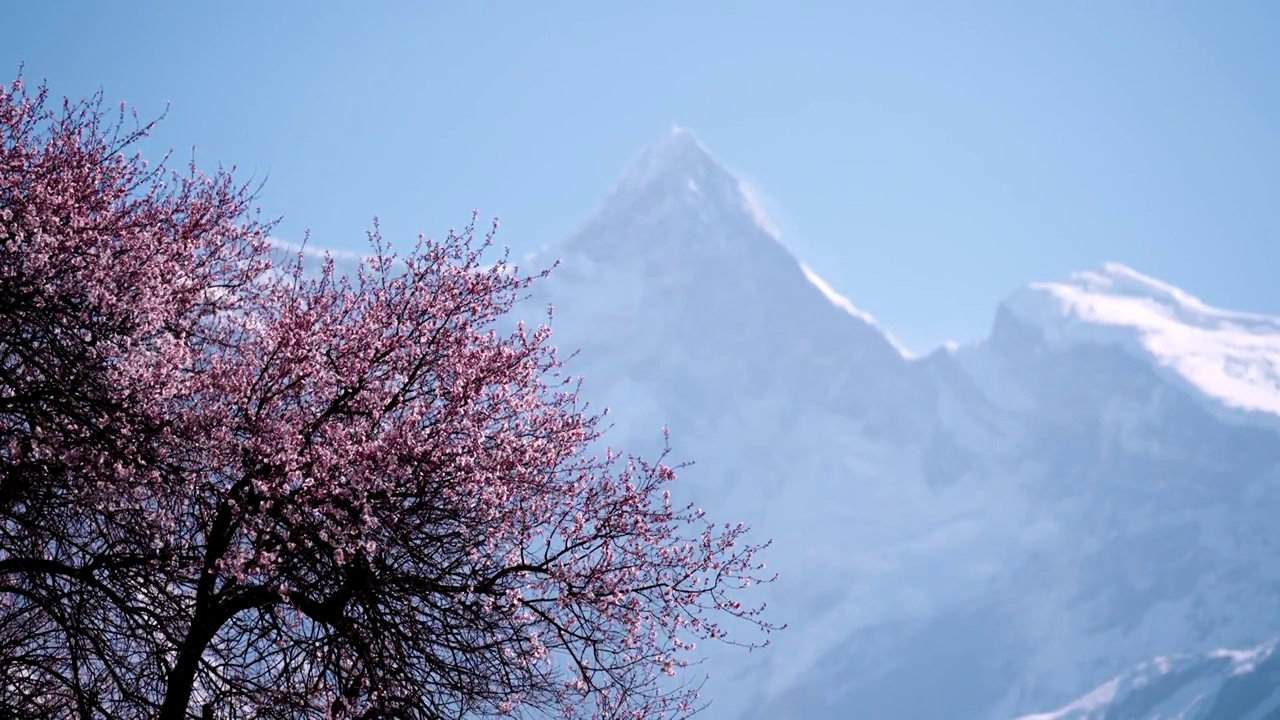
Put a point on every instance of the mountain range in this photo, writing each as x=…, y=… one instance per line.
x=987, y=532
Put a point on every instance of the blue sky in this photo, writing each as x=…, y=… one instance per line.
x=926, y=158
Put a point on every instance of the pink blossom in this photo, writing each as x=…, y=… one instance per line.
x=313, y=495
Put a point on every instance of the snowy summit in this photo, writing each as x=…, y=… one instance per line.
x=1232, y=357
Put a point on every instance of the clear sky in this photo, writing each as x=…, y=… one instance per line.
x=926, y=158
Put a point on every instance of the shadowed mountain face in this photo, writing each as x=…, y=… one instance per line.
x=980, y=533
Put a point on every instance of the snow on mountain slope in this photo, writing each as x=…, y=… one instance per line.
x=1231, y=357
x=803, y=417
x=1218, y=685
x=1146, y=527
x=847, y=305
x=1006, y=524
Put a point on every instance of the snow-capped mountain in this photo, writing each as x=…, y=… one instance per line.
x=980, y=533
x=1219, y=685
x=1229, y=358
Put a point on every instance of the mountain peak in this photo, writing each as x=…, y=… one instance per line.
x=678, y=159
x=1115, y=294
x=674, y=196
x=1232, y=357
x=679, y=141
x=681, y=231
x=1114, y=278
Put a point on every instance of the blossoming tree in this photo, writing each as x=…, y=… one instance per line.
x=229, y=485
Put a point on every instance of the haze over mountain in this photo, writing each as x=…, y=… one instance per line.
x=984, y=532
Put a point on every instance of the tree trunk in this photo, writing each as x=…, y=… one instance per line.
x=182, y=679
